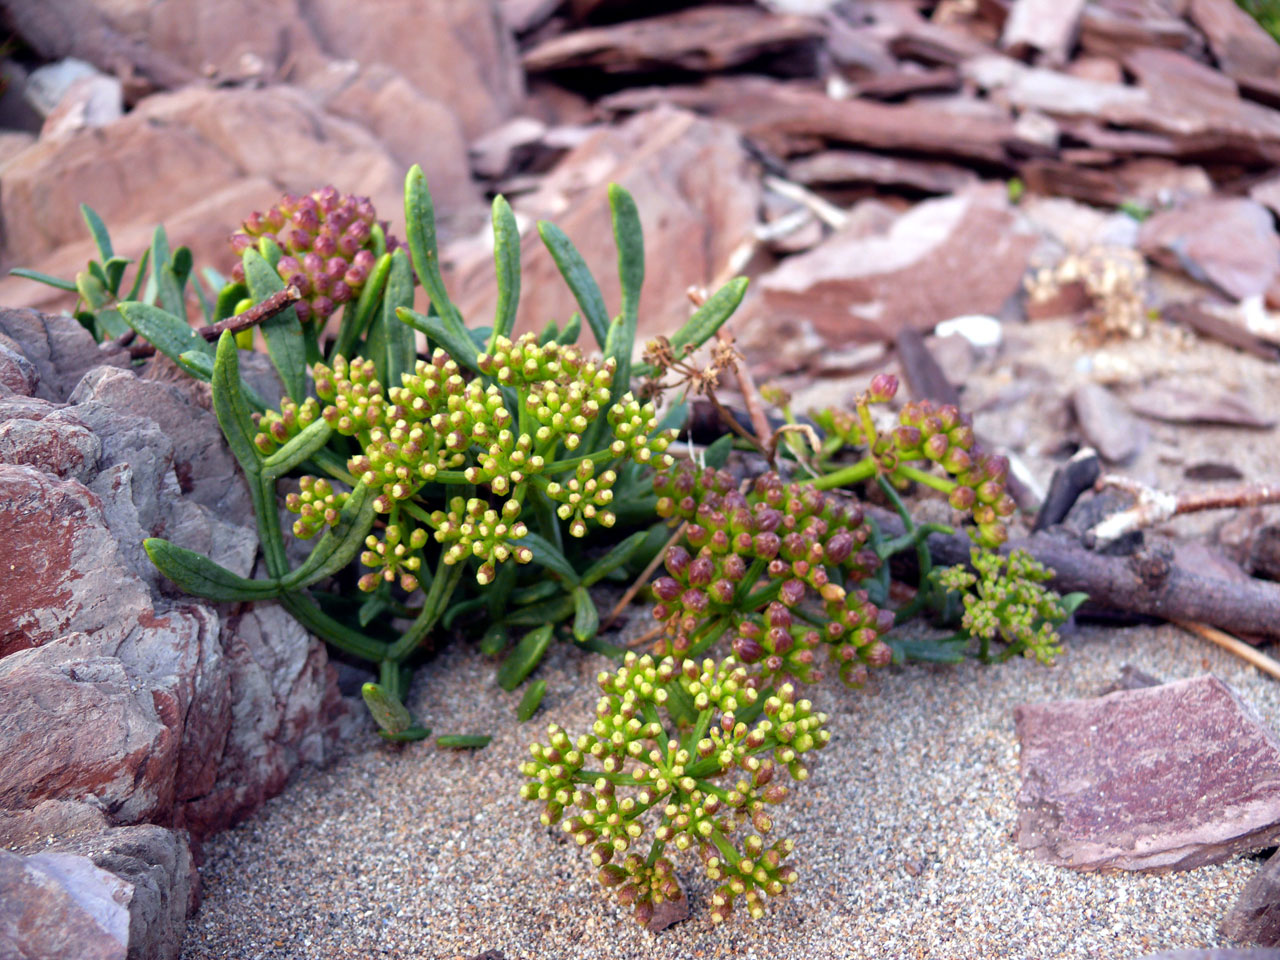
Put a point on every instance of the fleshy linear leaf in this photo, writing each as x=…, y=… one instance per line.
x=615, y=558
x=463, y=741
x=586, y=618
x=578, y=278
x=531, y=700
x=629, y=237
x=45, y=278
x=167, y=333
x=400, y=347
x=101, y=236
x=527, y=655
x=283, y=332
x=361, y=315
x=420, y=222
x=387, y=710
x=231, y=407
x=546, y=555
x=198, y=575
x=462, y=349
x=506, y=264
x=299, y=448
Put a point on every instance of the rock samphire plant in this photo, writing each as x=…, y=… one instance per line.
x=461, y=480
x=460, y=485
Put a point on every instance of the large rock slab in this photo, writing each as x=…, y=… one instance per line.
x=964, y=254
x=461, y=54
x=1168, y=777
x=1229, y=243
x=1255, y=916
x=198, y=160
x=697, y=195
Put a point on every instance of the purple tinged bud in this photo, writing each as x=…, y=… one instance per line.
x=839, y=548
x=334, y=268
x=781, y=641
x=792, y=592
x=340, y=292
x=957, y=460
x=701, y=571
x=935, y=448
x=313, y=263
x=879, y=655
x=722, y=591
x=677, y=560
x=299, y=240
x=907, y=437
x=304, y=312
x=778, y=616
x=321, y=307
x=695, y=601
x=364, y=260
x=767, y=545
x=666, y=588
x=962, y=498
x=747, y=650
x=883, y=387
x=240, y=242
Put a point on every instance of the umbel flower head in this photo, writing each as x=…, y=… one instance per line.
x=643, y=791
x=750, y=563
x=327, y=240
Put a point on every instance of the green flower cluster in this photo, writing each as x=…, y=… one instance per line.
x=720, y=776
x=1004, y=601
x=749, y=563
x=439, y=427
x=926, y=435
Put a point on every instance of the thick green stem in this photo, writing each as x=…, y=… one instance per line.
x=442, y=586
x=324, y=626
x=864, y=469
x=941, y=484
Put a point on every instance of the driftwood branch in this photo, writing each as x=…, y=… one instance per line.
x=1155, y=506
x=275, y=304
x=1149, y=582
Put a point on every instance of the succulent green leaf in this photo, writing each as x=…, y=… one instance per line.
x=169, y=334
x=387, y=710
x=1072, y=602
x=298, y=449
x=231, y=407
x=531, y=700
x=629, y=237
x=339, y=545
x=717, y=455
x=160, y=255
x=139, y=276
x=615, y=558
x=462, y=348
x=200, y=366
x=420, y=222
x=463, y=741
x=271, y=251
x=307, y=613
x=550, y=611
x=709, y=317
x=549, y=333
x=578, y=278
x=400, y=346
x=114, y=269
x=546, y=555
x=283, y=332
x=47, y=279
x=506, y=263
x=182, y=263
x=228, y=296
x=495, y=640
x=571, y=330
x=198, y=575
x=534, y=592
x=586, y=618
x=101, y=237
x=527, y=655
x=90, y=286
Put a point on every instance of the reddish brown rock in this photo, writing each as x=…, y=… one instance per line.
x=1239, y=44
x=1042, y=26
x=702, y=39
x=57, y=905
x=1168, y=777
x=1227, y=243
x=460, y=54
x=1106, y=423
x=697, y=194
x=943, y=258
x=202, y=159
x=1197, y=402
x=17, y=374
x=838, y=167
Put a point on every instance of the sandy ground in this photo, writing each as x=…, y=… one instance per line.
x=904, y=835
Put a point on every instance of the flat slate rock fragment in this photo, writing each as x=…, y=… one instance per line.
x=1168, y=777
x=1255, y=917
x=1106, y=423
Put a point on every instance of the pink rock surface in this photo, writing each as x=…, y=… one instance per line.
x=1167, y=777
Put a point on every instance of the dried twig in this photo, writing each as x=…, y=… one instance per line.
x=828, y=213
x=641, y=580
x=276, y=303
x=1238, y=647
x=1155, y=506
x=751, y=397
